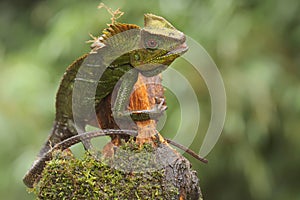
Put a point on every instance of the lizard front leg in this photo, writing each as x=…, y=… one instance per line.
x=119, y=109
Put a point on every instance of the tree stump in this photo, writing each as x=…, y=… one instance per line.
x=144, y=167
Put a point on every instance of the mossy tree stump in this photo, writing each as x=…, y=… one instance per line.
x=145, y=167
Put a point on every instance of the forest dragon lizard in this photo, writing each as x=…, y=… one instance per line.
x=120, y=54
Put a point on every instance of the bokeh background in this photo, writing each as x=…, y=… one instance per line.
x=255, y=44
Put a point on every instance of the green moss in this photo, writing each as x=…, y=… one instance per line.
x=133, y=173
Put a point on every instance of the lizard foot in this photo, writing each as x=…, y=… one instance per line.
x=143, y=115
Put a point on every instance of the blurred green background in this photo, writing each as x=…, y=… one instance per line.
x=255, y=44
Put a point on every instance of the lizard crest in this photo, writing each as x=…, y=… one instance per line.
x=112, y=30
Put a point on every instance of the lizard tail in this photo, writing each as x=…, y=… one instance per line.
x=34, y=173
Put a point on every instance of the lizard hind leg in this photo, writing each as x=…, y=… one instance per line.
x=69, y=129
x=79, y=128
x=87, y=144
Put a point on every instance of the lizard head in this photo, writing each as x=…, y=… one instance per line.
x=155, y=46
x=160, y=44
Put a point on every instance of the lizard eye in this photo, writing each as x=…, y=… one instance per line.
x=152, y=44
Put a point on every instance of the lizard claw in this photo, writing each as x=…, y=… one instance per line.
x=159, y=106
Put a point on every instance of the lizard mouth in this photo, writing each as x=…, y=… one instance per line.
x=168, y=57
x=179, y=50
